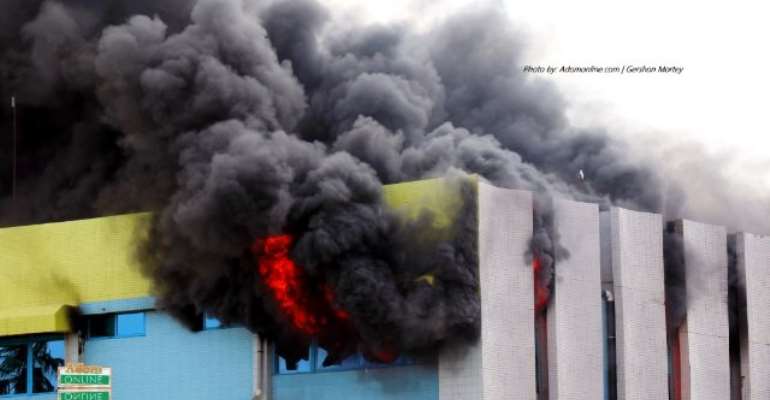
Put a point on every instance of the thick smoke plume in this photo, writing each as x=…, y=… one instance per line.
x=242, y=124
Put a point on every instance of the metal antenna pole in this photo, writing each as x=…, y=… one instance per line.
x=13, y=180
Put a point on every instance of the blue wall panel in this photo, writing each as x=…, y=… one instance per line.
x=416, y=382
x=170, y=362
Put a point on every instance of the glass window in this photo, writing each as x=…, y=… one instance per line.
x=302, y=366
x=101, y=325
x=47, y=358
x=131, y=324
x=352, y=362
x=13, y=369
x=210, y=322
x=116, y=325
x=38, y=359
x=356, y=361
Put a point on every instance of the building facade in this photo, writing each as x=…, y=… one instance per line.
x=605, y=326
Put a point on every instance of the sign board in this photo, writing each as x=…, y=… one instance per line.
x=84, y=382
x=84, y=395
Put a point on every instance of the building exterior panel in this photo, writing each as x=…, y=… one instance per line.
x=753, y=265
x=575, y=361
x=638, y=285
x=502, y=364
x=170, y=362
x=705, y=351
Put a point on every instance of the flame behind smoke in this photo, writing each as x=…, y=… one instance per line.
x=542, y=292
x=293, y=293
x=284, y=279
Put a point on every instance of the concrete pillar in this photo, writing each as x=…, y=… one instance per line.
x=704, y=337
x=636, y=257
x=72, y=348
x=575, y=348
x=261, y=368
x=501, y=366
x=753, y=263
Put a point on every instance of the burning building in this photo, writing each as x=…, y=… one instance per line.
x=76, y=289
x=303, y=208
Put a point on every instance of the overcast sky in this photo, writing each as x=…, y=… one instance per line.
x=719, y=100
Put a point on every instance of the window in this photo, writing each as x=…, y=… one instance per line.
x=116, y=325
x=302, y=366
x=352, y=362
x=355, y=361
x=29, y=366
x=210, y=322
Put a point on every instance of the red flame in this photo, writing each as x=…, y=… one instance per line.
x=385, y=356
x=284, y=278
x=309, y=309
x=542, y=293
x=329, y=296
x=677, y=365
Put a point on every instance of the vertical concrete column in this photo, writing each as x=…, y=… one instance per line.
x=753, y=263
x=636, y=246
x=704, y=338
x=261, y=371
x=72, y=348
x=501, y=366
x=575, y=348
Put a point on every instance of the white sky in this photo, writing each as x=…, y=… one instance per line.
x=720, y=100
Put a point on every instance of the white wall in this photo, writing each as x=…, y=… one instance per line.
x=705, y=335
x=502, y=365
x=753, y=253
x=575, y=358
x=638, y=285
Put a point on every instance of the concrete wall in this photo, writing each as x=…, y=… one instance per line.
x=575, y=345
x=705, y=335
x=753, y=262
x=636, y=247
x=502, y=365
x=170, y=362
x=416, y=382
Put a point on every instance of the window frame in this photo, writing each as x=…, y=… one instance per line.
x=114, y=317
x=363, y=364
x=27, y=342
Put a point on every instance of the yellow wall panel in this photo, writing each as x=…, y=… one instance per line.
x=71, y=262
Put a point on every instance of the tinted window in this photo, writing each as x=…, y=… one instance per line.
x=13, y=369
x=47, y=358
x=131, y=324
x=101, y=325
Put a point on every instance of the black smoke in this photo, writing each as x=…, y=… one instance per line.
x=235, y=120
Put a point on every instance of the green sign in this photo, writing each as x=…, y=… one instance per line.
x=83, y=379
x=84, y=395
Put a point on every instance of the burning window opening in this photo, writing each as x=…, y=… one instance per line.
x=311, y=311
x=542, y=289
